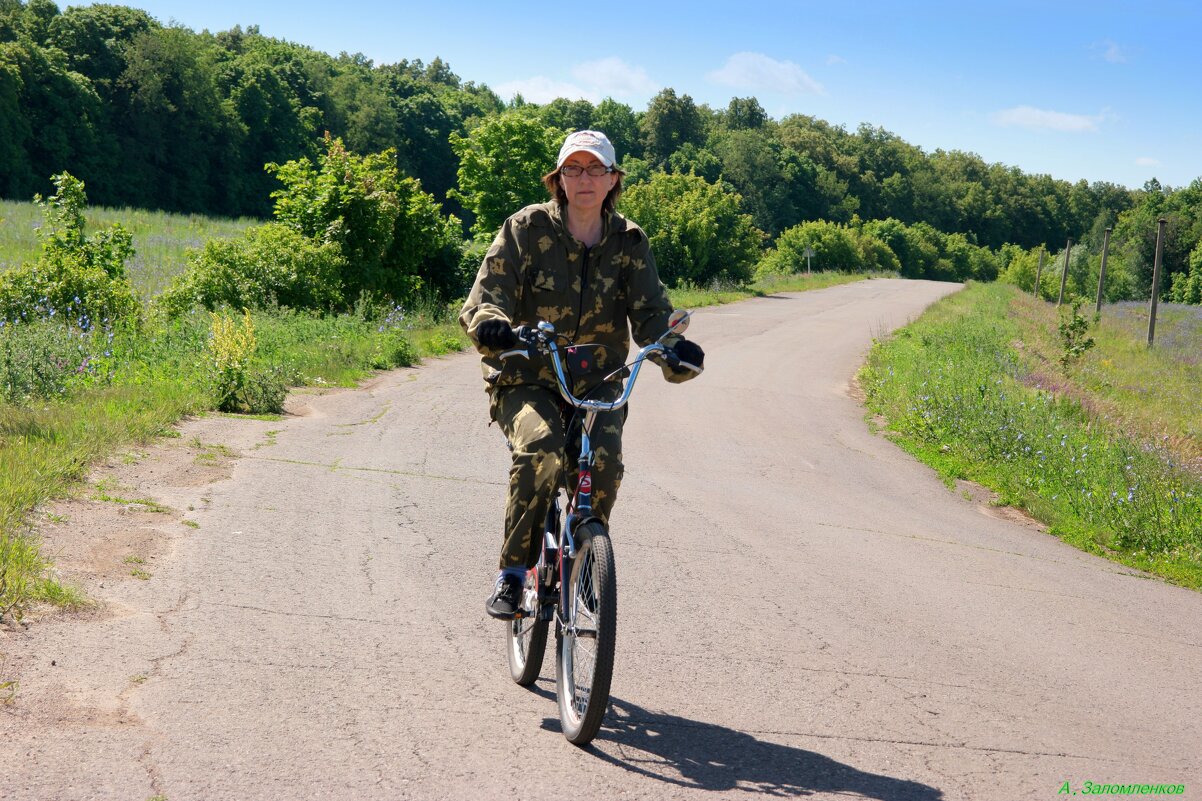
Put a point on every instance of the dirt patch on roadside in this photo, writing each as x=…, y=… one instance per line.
x=986, y=501
x=137, y=504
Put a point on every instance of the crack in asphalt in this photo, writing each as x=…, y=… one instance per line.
x=338, y=467
x=283, y=613
x=152, y=769
x=365, y=565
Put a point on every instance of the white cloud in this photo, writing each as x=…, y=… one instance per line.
x=1147, y=161
x=757, y=72
x=832, y=60
x=594, y=80
x=613, y=77
x=1043, y=120
x=1112, y=51
x=540, y=89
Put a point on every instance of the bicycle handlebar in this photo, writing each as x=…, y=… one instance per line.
x=542, y=339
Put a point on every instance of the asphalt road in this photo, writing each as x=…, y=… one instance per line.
x=803, y=611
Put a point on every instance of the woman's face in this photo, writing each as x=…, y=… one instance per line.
x=585, y=192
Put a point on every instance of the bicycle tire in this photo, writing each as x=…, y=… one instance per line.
x=526, y=643
x=592, y=615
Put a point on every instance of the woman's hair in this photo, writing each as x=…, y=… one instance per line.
x=551, y=181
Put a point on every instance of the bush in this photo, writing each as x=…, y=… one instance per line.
x=393, y=237
x=268, y=265
x=72, y=272
x=836, y=247
x=263, y=391
x=393, y=349
x=698, y=231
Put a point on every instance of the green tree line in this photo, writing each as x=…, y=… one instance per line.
x=163, y=117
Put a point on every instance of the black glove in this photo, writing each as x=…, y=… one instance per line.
x=690, y=352
x=495, y=334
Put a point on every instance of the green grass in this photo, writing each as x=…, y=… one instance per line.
x=161, y=240
x=974, y=388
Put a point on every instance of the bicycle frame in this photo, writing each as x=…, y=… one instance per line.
x=559, y=536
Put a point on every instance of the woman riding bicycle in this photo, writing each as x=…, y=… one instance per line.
x=578, y=264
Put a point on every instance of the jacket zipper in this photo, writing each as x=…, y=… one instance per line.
x=583, y=287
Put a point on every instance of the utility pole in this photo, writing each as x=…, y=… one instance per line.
x=1160, y=224
x=1102, y=270
x=1068, y=249
x=1038, y=272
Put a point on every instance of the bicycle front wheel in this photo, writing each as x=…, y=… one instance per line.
x=586, y=640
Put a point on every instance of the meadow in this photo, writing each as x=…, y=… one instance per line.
x=1102, y=445
x=161, y=240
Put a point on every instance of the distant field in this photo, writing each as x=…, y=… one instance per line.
x=161, y=240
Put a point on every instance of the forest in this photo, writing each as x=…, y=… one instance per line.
x=158, y=116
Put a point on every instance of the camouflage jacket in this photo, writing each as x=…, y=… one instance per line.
x=536, y=270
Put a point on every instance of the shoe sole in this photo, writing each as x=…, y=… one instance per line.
x=502, y=615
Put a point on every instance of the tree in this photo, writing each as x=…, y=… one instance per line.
x=16, y=176
x=175, y=135
x=698, y=231
x=58, y=119
x=94, y=39
x=567, y=115
x=669, y=123
x=618, y=122
x=501, y=164
x=693, y=160
x=1187, y=286
x=779, y=186
x=743, y=113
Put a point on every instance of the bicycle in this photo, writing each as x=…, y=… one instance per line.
x=573, y=582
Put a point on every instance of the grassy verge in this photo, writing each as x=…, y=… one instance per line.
x=975, y=389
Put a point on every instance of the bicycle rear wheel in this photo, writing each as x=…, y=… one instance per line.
x=585, y=656
x=526, y=637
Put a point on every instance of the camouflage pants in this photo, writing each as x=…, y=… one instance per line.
x=532, y=420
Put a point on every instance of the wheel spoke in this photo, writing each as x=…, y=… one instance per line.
x=586, y=645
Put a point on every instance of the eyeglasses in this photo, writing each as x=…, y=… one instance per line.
x=574, y=170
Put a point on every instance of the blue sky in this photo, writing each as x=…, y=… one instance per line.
x=1107, y=90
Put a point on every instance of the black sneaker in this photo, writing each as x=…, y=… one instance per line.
x=506, y=598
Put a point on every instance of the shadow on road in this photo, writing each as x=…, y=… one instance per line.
x=704, y=756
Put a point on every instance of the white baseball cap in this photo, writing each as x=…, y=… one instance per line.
x=593, y=142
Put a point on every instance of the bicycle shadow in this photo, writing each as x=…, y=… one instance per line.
x=705, y=756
